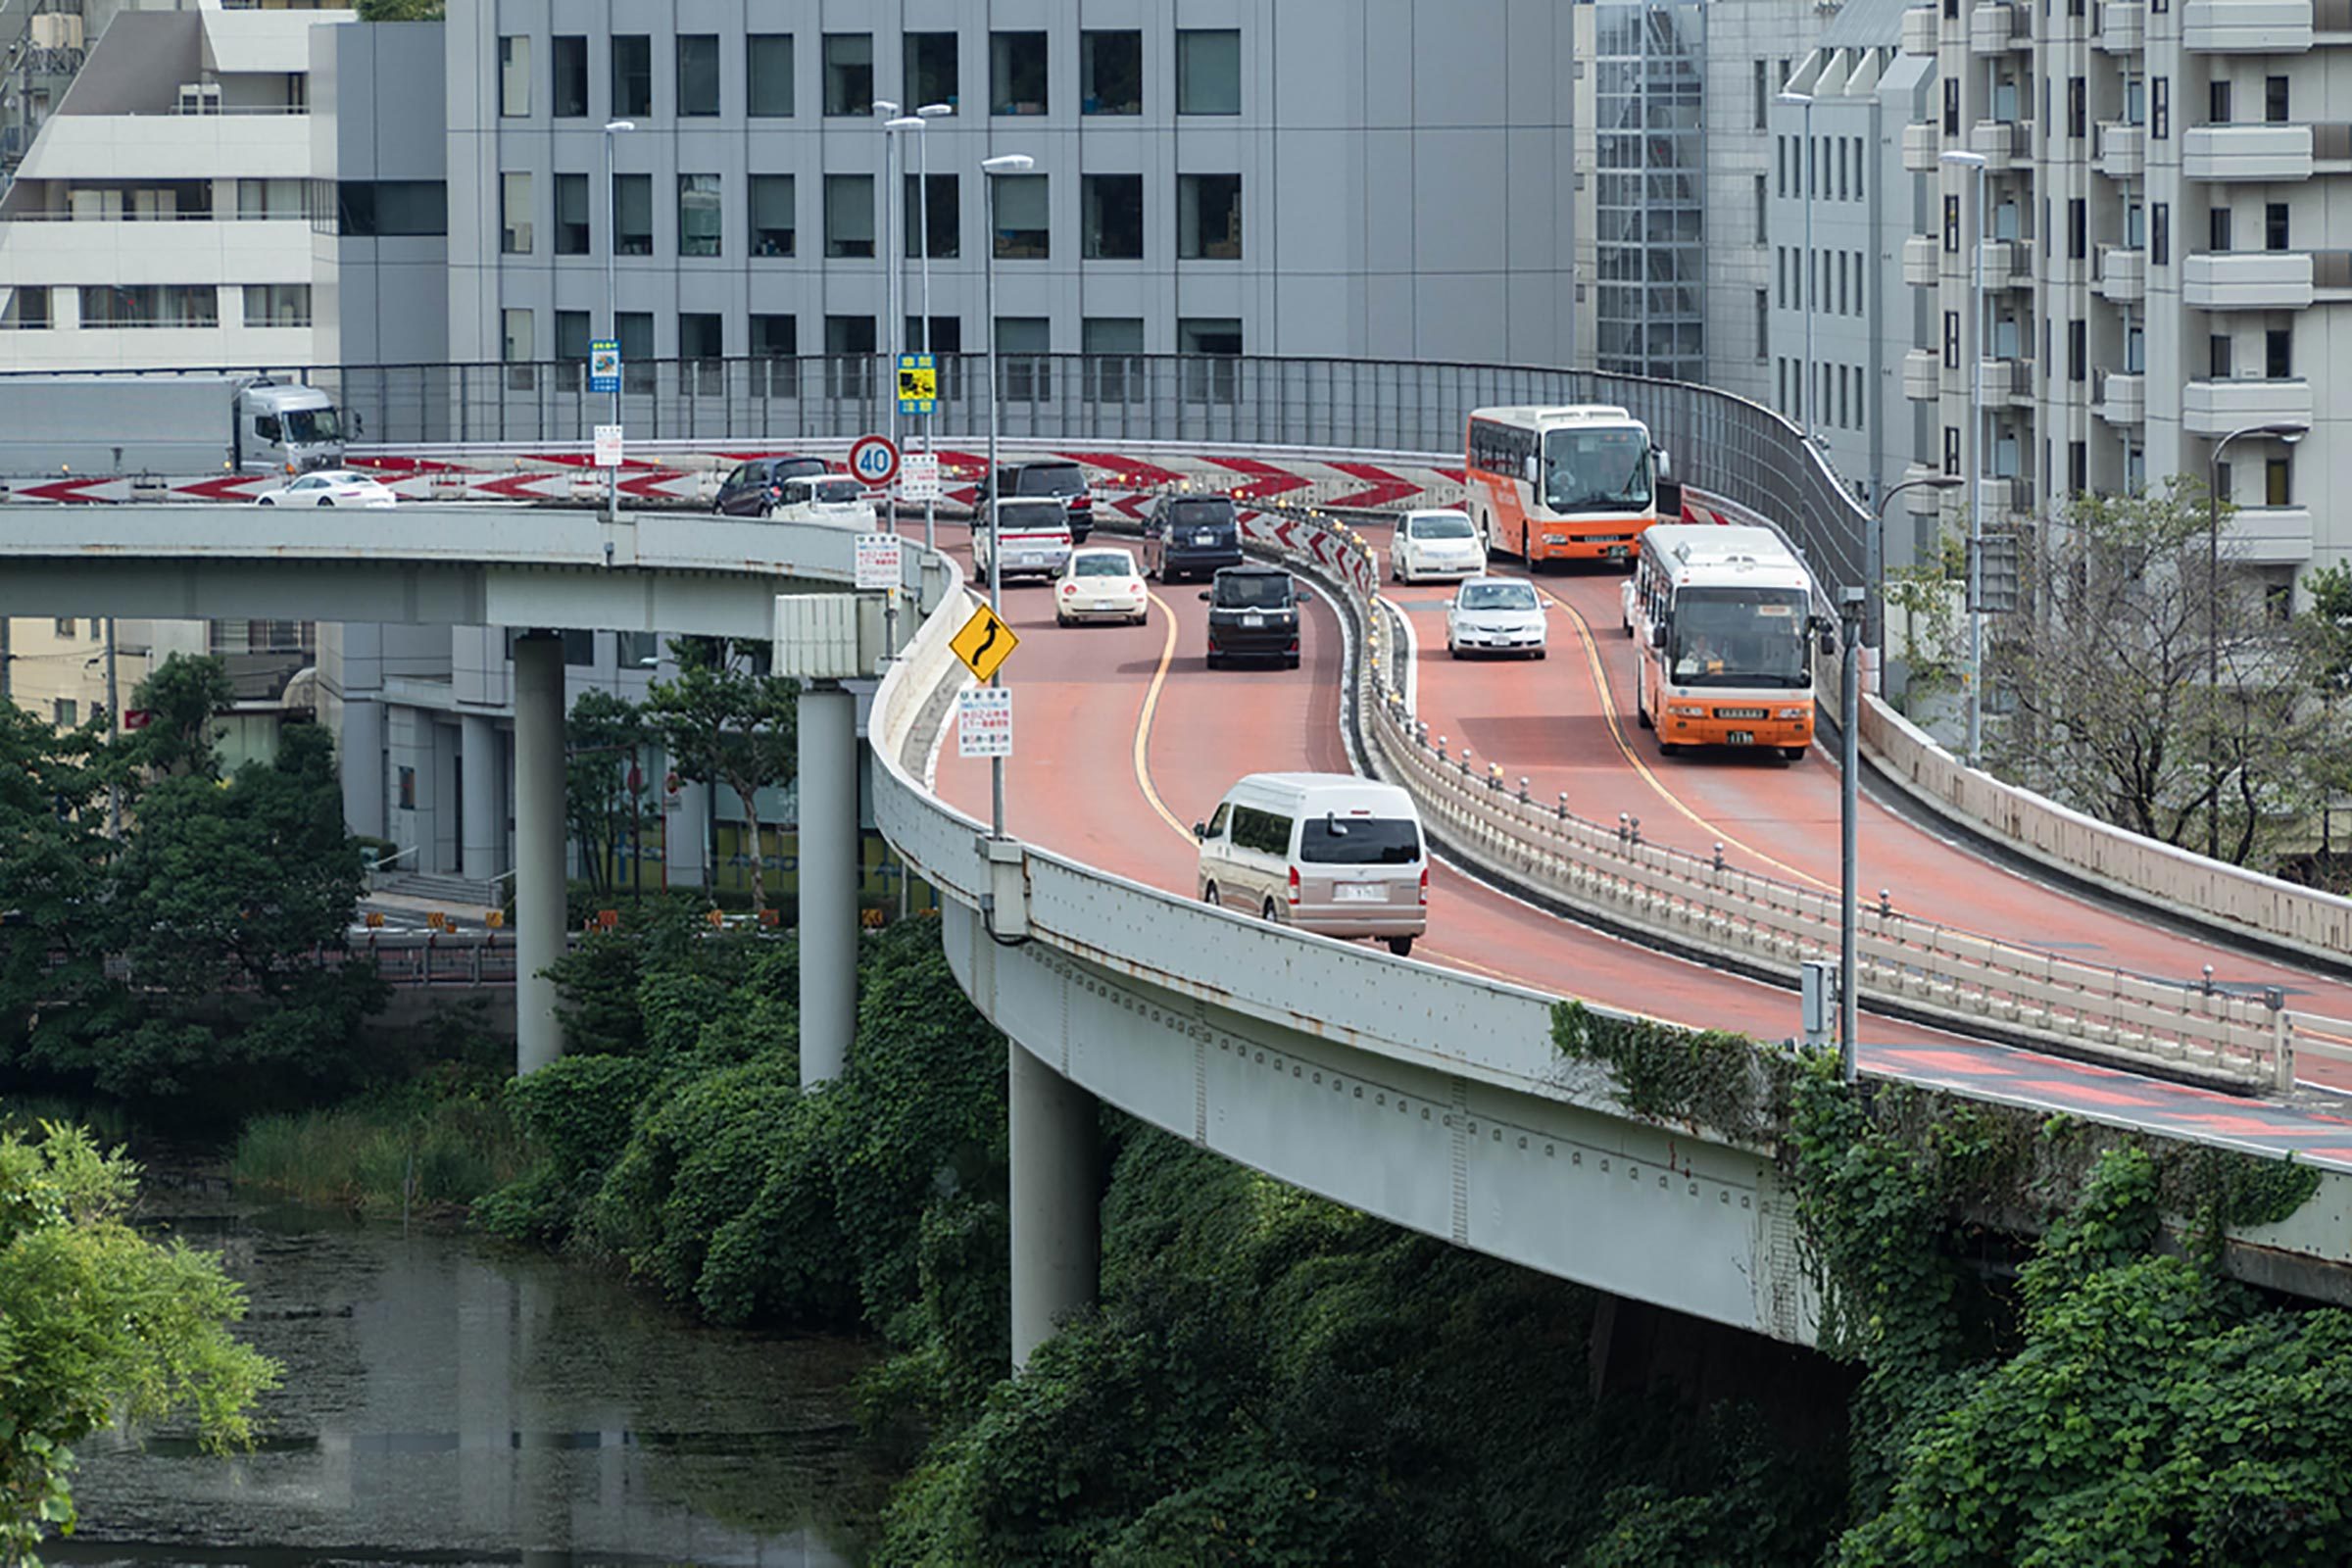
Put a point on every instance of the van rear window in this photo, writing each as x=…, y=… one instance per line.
x=1359, y=841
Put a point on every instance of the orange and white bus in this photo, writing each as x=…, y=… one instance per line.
x=1722, y=620
x=1562, y=484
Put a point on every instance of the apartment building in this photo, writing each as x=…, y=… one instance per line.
x=2167, y=253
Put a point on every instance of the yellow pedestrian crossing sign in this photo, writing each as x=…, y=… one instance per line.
x=983, y=643
x=919, y=383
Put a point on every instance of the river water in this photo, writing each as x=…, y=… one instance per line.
x=450, y=1401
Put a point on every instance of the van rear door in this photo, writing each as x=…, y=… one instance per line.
x=1355, y=865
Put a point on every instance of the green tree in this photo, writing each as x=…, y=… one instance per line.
x=602, y=738
x=99, y=1325
x=53, y=871
x=182, y=700
x=401, y=10
x=724, y=723
x=2326, y=628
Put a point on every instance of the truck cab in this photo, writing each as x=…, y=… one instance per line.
x=294, y=428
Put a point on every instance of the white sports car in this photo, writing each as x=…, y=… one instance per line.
x=329, y=487
x=1495, y=616
x=1435, y=544
x=1100, y=585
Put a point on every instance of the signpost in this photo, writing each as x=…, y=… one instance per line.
x=919, y=383
x=918, y=476
x=608, y=446
x=874, y=459
x=879, y=562
x=983, y=643
x=604, y=366
x=984, y=721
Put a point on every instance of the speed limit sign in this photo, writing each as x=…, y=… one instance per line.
x=874, y=458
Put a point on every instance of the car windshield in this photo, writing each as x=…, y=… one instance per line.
x=1586, y=470
x=1059, y=479
x=838, y=491
x=1443, y=525
x=1108, y=564
x=1031, y=519
x=314, y=425
x=1498, y=596
x=1740, y=637
x=1254, y=590
x=1333, y=840
x=1202, y=514
x=795, y=468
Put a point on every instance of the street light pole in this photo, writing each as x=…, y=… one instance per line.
x=928, y=111
x=1805, y=273
x=611, y=296
x=2290, y=434
x=1975, y=463
x=893, y=334
x=991, y=169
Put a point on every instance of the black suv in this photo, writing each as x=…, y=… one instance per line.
x=1189, y=534
x=1063, y=480
x=759, y=484
x=1254, y=613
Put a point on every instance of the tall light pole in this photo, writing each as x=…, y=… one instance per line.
x=898, y=262
x=2290, y=434
x=613, y=127
x=922, y=189
x=1974, y=461
x=991, y=169
x=1804, y=274
x=893, y=333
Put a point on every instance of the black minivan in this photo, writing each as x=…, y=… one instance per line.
x=1063, y=480
x=1254, y=613
x=759, y=484
x=1185, y=535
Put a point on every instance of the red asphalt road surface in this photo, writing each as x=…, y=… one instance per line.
x=1072, y=787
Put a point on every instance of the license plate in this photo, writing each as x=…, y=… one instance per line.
x=1254, y=620
x=1616, y=552
x=1205, y=538
x=1741, y=737
x=1358, y=893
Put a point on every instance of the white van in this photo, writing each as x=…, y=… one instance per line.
x=1328, y=853
x=1036, y=538
x=824, y=498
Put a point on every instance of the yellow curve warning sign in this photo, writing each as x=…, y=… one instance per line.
x=983, y=643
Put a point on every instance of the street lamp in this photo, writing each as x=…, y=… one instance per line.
x=2290, y=434
x=1975, y=464
x=994, y=169
x=891, y=336
x=922, y=217
x=613, y=127
x=1804, y=274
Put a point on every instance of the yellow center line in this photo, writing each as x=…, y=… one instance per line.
x=1143, y=724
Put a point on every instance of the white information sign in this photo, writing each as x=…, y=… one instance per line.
x=984, y=721
x=918, y=478
x=608, y=446
x=878, y=563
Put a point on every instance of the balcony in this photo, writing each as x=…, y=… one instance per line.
x=2246, y=280
x=1923, y=376
x=1918, y=30
x=2246, y=152
x=2269, y=536
x=1922, y=261
x=2123, y=27
x=2124, y=398
x=1922, y=146
x=2004, y=379
x=2246, y=27
x=1999, y=140
x=2122, y=150
x=1996, y=29
x=1927, y=500
x=2123, y=274
x=2004, y=496
x=2007, y=264
x=157, y=147
x=2216, y=407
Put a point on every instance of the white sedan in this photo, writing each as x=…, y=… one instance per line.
x=1495, y=616
x=1435, y=544
x=1100, y=585
x=329, y=487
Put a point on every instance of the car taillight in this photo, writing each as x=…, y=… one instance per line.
x=1082, y=502
x=1425, y=887
x=1294, y=885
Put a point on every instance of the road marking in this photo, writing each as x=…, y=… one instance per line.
x=1143, y=724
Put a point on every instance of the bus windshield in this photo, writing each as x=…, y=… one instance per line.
x=1597, y=471
x=1740, y=637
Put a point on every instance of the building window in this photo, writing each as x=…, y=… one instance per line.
x=772, y=218
x=1209, y=217
x=264, y=201
x=2160, y=233
x=775, y=337
x=849, y=351
x=848, y=215
x=2135, y=346
x=1212, y=374
x=518, y=346
x=632, y=74
x=2276, y=487
x=130, y=304
x=1022, y=345
x=1021, y=220
x=277, y=305
x=2216, y=228
x=2217, y=102
x=698, y=74
x=2078, y=468
x=1838, y=149
x=635, y=331
x=407, y=788
x=514, y=215
x=849, y=75
x=64, y=627
x=1208, y=72
x=1951, y=225
x=2218, y=358
x=1951, y=340
x=1951, y=449
x=2225, y=484
x=636, y=650
x=2274, y=227
x=767, y=75
x=634, y=215
x=1780, y=161
x=1112, y=221
x=515, y=76
x=569, y=99
x=2274, y=100
x=2160, y=106
x=702, y=341
x=573, y=335
x=2277, y=354
x=1016, y=73
x=1762, y=234
x=931, y=71
x=27, y=310
x=580, y=648
x=2077, y=229
x=944, y=218
x=1111, y=73
x=700, y=222
x=573, y=231
x=2077, y=105
x=1107, y=341
x=1860, y=163
x=2077, y=350
x=1951, y=107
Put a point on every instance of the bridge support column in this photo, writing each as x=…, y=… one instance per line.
x=1057, y=1227
x=484, y=833
x=828, y=878
x=540, y=925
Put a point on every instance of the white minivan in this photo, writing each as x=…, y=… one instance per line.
x=1328, y=853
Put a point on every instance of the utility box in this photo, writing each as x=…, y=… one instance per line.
x=817, y=637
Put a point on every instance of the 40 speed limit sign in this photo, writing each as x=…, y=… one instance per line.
x=874, y=459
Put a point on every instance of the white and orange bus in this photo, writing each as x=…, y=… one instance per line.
x=1722, y=620
x=1562, y=484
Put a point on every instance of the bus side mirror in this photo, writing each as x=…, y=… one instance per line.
x=1200, y=830
x=1530, y=466
x=1665, y=463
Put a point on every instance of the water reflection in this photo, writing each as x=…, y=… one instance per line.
x=449, y=1400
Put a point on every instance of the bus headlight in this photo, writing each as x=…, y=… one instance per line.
x=1792, y=713
x=1685, y=710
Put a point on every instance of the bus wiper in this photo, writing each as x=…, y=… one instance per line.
x=1588, y=503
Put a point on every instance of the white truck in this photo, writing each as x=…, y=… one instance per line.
x=163, y=423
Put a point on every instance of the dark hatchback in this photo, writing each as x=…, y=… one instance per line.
x=1064, y=482
x=1187, y=536
x=1254, y=613
x=756, y=486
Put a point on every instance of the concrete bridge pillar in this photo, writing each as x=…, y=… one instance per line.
x=484, y=831
x=828, y=878
x=540, y=925
x=1057, y=1235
